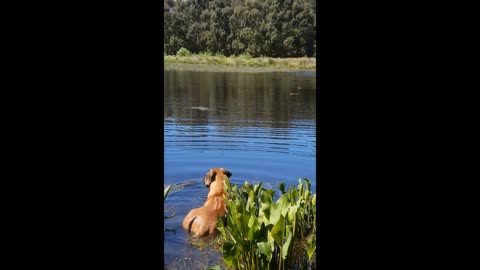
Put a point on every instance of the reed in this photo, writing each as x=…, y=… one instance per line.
x=165, y=194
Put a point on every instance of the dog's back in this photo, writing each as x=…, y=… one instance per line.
x=203, y=220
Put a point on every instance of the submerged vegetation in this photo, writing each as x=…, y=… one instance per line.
x=243, y=60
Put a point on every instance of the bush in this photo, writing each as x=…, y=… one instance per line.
x=183, y=52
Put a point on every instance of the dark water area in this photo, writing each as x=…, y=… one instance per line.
x=260, y=126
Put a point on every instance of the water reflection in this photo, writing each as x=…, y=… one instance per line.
x=268, y=99
x=270, y=115
x=259, y=126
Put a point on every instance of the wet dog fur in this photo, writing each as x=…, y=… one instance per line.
x=202, y=221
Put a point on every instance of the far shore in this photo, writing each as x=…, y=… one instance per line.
x=303, y=63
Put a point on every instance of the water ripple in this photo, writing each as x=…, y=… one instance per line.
x=298, y=140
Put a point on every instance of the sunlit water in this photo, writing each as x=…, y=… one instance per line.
x=259, y=126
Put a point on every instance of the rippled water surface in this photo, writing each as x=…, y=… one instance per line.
x=260, y=126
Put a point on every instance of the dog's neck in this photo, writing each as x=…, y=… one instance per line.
x=216, y=187
x=215, y=193
x=215, y=198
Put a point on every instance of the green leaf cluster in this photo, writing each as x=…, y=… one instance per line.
x=262, y=234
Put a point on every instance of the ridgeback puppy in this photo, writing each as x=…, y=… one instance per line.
x=203, y=220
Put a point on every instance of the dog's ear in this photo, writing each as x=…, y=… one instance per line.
x=227, y=173
x=209, y=178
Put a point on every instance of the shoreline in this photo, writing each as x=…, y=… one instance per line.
x=260, y=63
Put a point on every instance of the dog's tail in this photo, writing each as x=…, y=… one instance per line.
x=190, y=225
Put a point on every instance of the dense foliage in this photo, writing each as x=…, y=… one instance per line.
x=262, y=234
x=271, y=28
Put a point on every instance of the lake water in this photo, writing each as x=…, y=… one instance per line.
x=260, y=126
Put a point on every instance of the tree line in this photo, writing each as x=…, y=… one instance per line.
x=270, y=28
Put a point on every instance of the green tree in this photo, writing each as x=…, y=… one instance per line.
x=275, y=28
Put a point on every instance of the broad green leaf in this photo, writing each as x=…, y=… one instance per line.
x=277, y=230
x=216, y=267
x=250, y=201
x=292, y=213
x=254, y=223
x=292, y=216
x=251, y=234
x=231, y=206
x=265, y=249
x=279, y=208
x=254, y=226
x=241, y=218
x=257, y=188
x=251, y=221
x=282, y=187
x=266, y=197
x=307, y=194
x=286, y=245
x=308, y=184
x=311, y=245
x=293, y=194
x=261, y=234
x=221, y=229
x=275, y=213
x=270, y=239
x=300, y=187
x=264, y=212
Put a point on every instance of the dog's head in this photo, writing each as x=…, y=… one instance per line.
x=212, y=173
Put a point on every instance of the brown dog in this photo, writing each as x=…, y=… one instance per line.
x=203, y=220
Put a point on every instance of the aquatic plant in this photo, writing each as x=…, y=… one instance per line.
x=262, y=234
x=165, y=193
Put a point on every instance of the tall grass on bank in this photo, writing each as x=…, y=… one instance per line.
x=184, y=56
